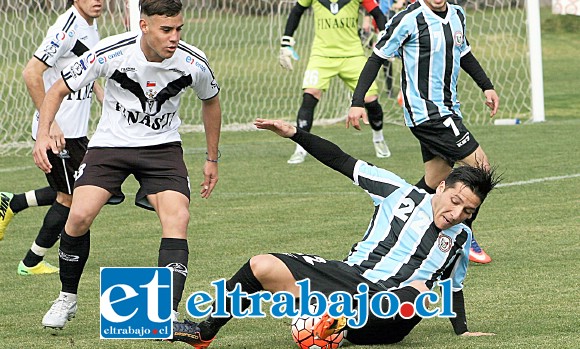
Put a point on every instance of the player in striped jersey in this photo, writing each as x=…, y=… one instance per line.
x=413, y=240
x=146, y=75
x=68, y=38
x=430, y=38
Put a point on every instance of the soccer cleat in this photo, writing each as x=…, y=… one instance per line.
x=63, y=309
x=41, y=268
x=297, y=158
x=382, y=149
x=477, y=254
x=6, y=213
x=188, y=332
x=327, y=326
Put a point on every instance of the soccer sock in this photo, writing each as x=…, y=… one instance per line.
x=249, y=284
x=174, y=253
x=423, y=185
x=306, y=112
x=72, y=256
x=54, y=222
x=378, y=136
x=375, y=113
x=39, y=197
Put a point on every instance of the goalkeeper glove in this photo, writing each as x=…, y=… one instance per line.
x=287, y=52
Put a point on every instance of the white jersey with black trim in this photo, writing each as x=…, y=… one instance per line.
x=141, y=103
x=65, y=41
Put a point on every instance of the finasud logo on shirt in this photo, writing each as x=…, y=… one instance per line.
x=136, y=303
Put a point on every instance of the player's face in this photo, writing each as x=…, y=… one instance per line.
x=436, y=5
x=453, y=205
x=89, y=9
x=161, y=34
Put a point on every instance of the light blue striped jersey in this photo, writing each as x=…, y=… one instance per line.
x=431, y=48
x=402, y=244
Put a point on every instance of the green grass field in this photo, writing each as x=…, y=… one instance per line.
x=530, y=226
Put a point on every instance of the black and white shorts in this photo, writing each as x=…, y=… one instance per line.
x=64, y=165
x=446, y=137
x=157, y=168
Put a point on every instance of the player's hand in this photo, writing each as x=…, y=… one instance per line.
x=492, y=101
x=287, y=53
x=279, y=127
x=354, y=115
x=42, y=144
x=57, y=136
x=476, y=334
x=210, y=178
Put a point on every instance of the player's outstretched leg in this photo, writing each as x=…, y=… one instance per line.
x=375, y=112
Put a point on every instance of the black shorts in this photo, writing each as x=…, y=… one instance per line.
x=157, y=168
x=64, y=165
x=327, y=276
x=439, y=138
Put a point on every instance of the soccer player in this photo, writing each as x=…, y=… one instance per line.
x=146, y=75
x=430, y=37
x=73, y=33
x=336, y=51
x=413, y=240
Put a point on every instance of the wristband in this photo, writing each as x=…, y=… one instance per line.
x=213, y=160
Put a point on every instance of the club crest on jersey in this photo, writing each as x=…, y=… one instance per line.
x=334, y=8
x=444, y=243
x=151, y=101
x=458, y=38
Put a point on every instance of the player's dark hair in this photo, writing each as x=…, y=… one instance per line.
x=478, y=179
x=169, y=8
x=69, y=3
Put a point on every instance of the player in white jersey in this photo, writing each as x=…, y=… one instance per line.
x=73, y=33
x=414, y=239
x=146, y=75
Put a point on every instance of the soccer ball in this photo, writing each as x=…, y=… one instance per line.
x=302, y=327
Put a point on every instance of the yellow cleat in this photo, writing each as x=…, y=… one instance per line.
x=6, y=213
x=41, y=268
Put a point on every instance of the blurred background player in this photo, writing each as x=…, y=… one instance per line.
x=430, y=36
x=73, y=33
x=147, y=73
x=336, y=51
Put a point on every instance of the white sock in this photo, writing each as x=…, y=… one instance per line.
x=39, y=251
x=31, y=198
x=70, y=296
x=378, y=136
x=300, y=149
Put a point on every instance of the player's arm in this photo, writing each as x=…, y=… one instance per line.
x=287, y=42
x=472, y=67
x=212, y=121
x=50, y=105
x=374, y=10
x=99, y=92
x=32, y=75
x=365, y=80
x=323, y=150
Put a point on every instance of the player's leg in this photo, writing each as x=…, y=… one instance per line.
x=316, y=80
x=11, y=204
x=61, y=179
x=350, y=73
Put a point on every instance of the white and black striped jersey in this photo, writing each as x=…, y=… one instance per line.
x=142, y=98
x=401, y=243
x=65, y=41
x=431, y=48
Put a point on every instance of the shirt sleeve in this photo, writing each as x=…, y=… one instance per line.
x=203, y=83
x=84, y=70
x=55, y=44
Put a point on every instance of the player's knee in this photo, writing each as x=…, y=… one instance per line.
x=262, y=266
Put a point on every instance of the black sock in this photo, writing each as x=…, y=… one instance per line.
x=423, y=185
x=305, y=116
x=249, y=284
x=53, y=224
x=174, y=253
x=72, y=256
x=44, y=196
x=375, y=113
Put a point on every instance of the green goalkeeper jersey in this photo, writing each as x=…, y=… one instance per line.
x=335, y=27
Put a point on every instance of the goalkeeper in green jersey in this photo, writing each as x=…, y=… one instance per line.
x=336, y=51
